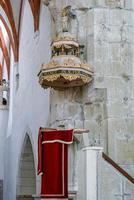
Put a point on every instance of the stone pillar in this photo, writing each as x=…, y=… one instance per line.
x=91, y=155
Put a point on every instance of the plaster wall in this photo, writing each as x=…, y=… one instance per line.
x=29, y=103
x=3, y=129
x=26, y=182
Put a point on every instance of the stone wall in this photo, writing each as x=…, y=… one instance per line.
x=105, y=107
x=121, y=187
x=112, y=56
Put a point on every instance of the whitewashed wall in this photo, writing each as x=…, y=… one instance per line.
x=3, y=129
x=30, y=107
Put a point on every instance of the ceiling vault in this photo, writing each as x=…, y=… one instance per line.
x=5, y=52
x=13, y=32
x=35, y=8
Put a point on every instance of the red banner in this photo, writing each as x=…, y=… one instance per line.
x=53, y=162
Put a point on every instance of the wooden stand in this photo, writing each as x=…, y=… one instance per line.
x=75, y=131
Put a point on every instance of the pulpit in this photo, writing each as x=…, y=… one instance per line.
x=57, y=169
x=66, y=68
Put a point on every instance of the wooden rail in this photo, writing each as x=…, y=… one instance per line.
x=118, y=168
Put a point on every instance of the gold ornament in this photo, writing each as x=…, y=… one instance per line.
x=65, y=68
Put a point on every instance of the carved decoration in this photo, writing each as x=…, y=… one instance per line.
x=65, y=69
x=66, y=61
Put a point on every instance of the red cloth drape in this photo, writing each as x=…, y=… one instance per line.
x=53, y=162
x=40, y=169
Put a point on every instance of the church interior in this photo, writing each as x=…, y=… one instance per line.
x=66, y=99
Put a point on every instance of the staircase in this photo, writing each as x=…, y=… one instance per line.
x=101, y=178
x=118, y=168
x=114, y=181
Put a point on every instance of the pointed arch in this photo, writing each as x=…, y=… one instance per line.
x=20, y=16
x=1, y=72
x=37, y=5
x=13, y=37
x=10, y=38
x=35, y=8
x=6, y=5
x=26, y=180
x=31, y=2
x=5, y=52
x=12, y=34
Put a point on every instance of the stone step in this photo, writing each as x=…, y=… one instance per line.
x=25, y=197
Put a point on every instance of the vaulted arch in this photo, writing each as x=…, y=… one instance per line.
x=13, y=31
x=5, y=52
x=1, y=71
x=35, y=8
x=26, y=180
x=6, y=5
x=14, y=47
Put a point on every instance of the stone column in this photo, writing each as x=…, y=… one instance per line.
x=91, y=155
